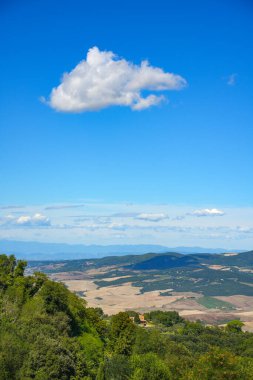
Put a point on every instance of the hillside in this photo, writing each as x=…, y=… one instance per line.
x=164, y=262
x=241, y=259
x=49, y=333
x=208, y=274
x=210, y=287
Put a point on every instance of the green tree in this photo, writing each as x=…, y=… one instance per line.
x=166, y=318
x=116, y=367
x=149, y=366
x=234, y=326
x=150, y=340
x=219, y=365
x=122, y=334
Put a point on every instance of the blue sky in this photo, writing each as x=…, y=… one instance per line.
x=190, y=152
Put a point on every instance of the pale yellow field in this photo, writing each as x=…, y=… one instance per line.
x=241, y=302
x=113, y=299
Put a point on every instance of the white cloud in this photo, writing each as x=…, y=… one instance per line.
x=36, y=220
x=232, y=79
x=104, y=80
x=152, y=217
x=105, y=223
x=208, y=212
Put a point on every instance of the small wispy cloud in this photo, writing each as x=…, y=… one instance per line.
x=10, y=207
x=244, y=230
x=179, y=217
x=124, y=215
x=62, y=207
x=104, y=80
x=231, y=80
x=208, y=212
x=152, y=217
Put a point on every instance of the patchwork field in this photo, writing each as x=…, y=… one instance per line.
x=200, y=287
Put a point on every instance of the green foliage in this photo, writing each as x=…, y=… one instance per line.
x=235, y=326
x=10, y=269
x=150, y=340
x=49, y=359
x=149, y=366
x=48, y=333
x=95, y=316
x=220, y=365
x=55, y=297
x=116, y=367
x=166, y=318
x=39, y=320
x=91, y=349
x=178, y=359
x=12, y=352
x=122, y=334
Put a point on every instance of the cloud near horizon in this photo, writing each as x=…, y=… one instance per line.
x=36, y=220
x=62, y=207
x=151, y=217
x=104, y=80
x=111, y=223
x=208, y=212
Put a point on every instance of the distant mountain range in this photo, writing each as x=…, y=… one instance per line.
x=31, y=250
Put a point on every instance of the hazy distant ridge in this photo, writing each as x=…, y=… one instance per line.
x=31, y=250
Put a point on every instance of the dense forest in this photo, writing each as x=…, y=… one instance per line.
x=47, y=333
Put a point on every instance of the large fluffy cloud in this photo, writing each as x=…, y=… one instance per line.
x=208, y=212
x=103, y=80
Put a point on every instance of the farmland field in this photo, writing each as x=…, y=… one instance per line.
x=214, y=303
x=211, y=288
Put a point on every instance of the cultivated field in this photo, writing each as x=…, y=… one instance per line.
x=211, y=288
x=193, y=306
